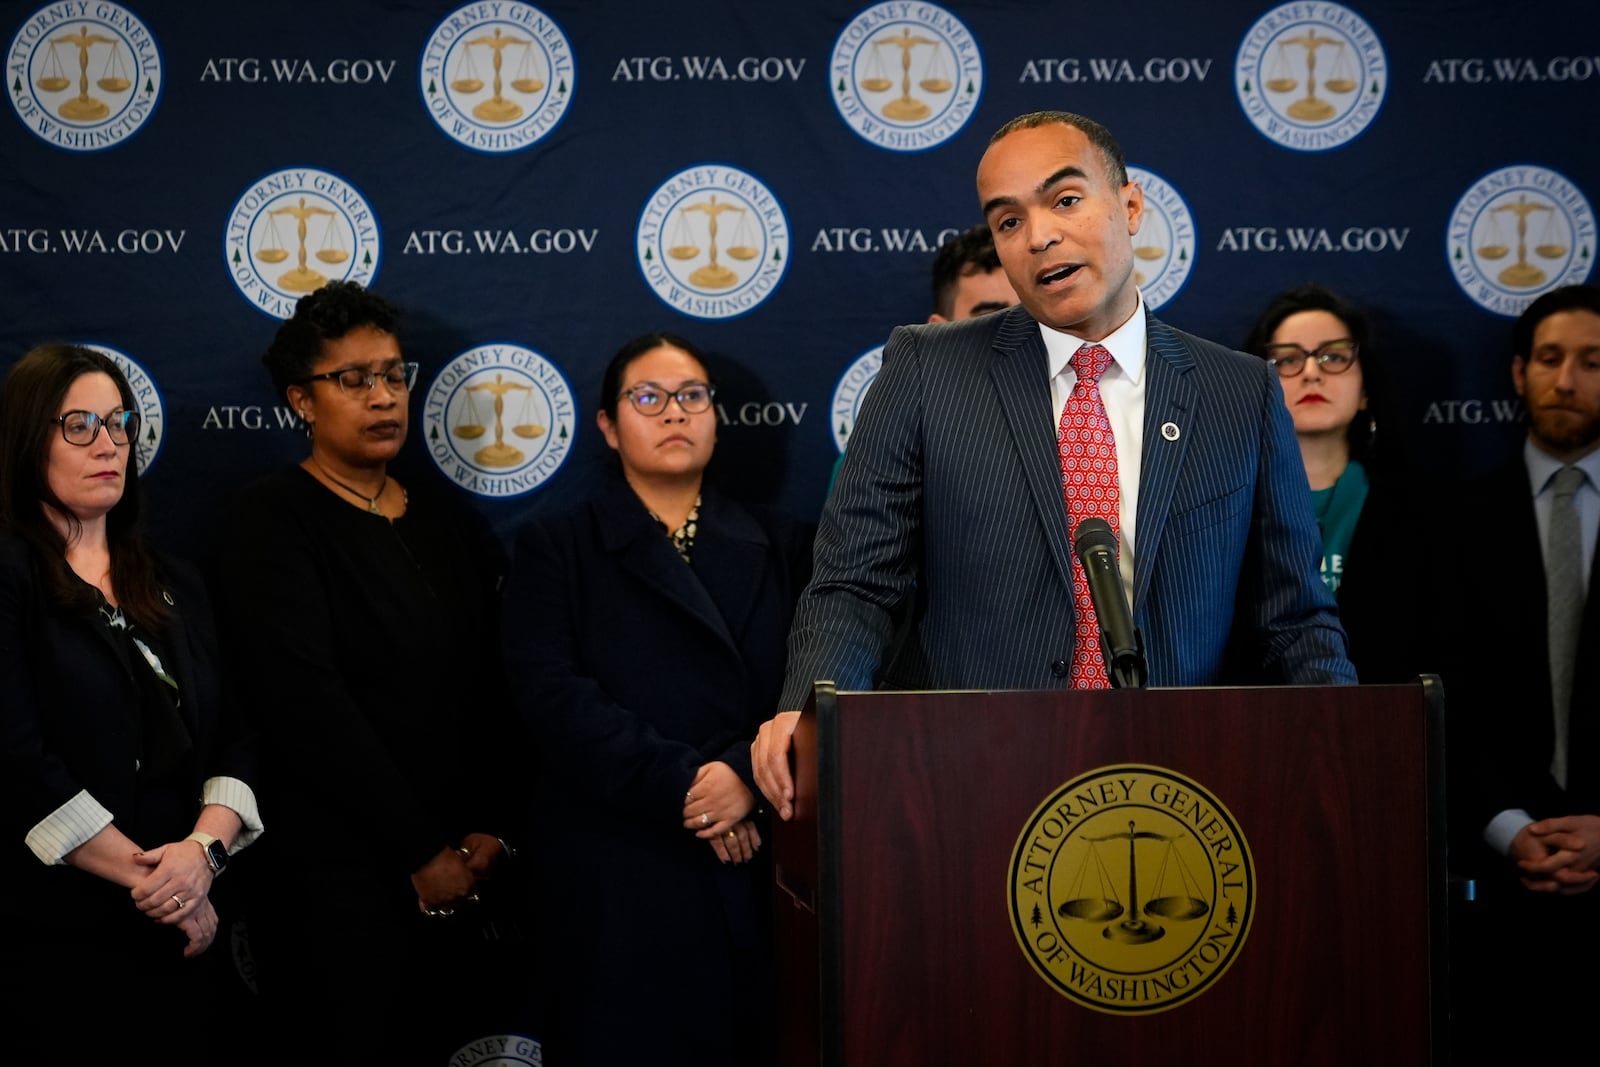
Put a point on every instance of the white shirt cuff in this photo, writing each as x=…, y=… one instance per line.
x=68, y=827
x=1504, y=828
x=235, y=794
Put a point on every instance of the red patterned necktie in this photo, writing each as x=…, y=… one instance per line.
x=1089, y=482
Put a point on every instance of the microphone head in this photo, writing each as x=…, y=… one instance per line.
x=1093, y=533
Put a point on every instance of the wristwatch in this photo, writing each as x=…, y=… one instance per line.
x=216, y=854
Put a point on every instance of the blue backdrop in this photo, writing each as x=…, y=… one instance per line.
x=537, y=183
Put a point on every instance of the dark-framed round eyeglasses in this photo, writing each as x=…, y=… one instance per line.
x=81, y=427
x=1334, y=357
x=359, y=381
x=650, y=399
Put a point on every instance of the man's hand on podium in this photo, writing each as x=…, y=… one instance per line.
x=769, y=759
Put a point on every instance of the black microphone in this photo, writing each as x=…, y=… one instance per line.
x=1120, y=642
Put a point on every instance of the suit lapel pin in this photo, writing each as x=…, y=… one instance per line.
x=1170, y=431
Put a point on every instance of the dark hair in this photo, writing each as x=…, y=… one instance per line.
x=1566, y=298
x=33, y=392
x=973, y=247
x=1099, y=136
x=1362, y=431
x=324, y=315
x=611, y=381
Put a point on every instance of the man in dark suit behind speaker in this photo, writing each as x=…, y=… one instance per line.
x=1521, y=618
x=950, y=509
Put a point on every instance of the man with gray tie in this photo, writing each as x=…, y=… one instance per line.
x=1522, y=684
x=984, y=444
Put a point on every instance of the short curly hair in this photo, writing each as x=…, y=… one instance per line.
x=324, y=315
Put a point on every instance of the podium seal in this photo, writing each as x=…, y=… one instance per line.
x=1131, y=889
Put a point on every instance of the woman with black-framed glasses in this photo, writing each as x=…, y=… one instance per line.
x=1321, y=347
x=361, y=612
x=645, y=633
x=124, y=774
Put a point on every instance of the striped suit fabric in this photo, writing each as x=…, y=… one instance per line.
x=946, y=539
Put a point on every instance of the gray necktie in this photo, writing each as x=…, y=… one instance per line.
x=1563, y=573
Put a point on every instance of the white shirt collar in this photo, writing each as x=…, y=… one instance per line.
x=1126, y=344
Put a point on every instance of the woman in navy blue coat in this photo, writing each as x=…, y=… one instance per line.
x=645, y=635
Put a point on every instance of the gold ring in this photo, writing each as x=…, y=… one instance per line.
x=732, y=835
x=179, y=901
x=705, y=819
x=688, y=798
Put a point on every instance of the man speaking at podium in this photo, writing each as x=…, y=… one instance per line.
x=983, y=444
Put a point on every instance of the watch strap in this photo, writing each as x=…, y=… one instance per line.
x=206, y=843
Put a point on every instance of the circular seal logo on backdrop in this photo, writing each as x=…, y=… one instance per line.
x=1164, y=248
x=1311, y=77
x=84, y=77
x=497, y=77
x=1516, y=232
x=1131, y=889
x=850, y=390
x=713, y=241
x=499, y=1050
x=294, y=231
x=499, y=420
x=906, y=77
x=152, y=408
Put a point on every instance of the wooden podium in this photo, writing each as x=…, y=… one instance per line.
x=930, y=827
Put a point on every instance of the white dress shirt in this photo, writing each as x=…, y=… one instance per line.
x=1122, y=388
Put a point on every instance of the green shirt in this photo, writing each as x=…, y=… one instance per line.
x=1338, y=507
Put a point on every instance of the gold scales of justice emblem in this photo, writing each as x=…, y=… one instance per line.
x=529, y=76
x=1148, y=250
x=470, y=426
x=302, y=278
x=113, y=77
x=1124, y=876
x=1522, y=273
x=936, y=76
x=1175, y=897
x=684, y=246
x=1311, y=107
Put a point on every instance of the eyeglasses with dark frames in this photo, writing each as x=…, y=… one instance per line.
x=651, y=400
x=359, y=381
x=1334, y=357
x=81, y=427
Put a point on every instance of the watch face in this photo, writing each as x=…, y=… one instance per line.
x=217, y=855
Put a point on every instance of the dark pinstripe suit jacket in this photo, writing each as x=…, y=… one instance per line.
x=948, y=517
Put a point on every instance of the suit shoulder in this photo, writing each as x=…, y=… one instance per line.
x=1239, y=374
x=1202, y=350
x=272, y=498
x=1468, y=500
x=961, y=337
x=580, y=521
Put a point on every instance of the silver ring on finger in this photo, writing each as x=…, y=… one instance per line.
x=705, y=818
x=176, y=899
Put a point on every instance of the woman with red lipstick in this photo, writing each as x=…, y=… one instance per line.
x=645, y=636
x=360, y=613
x=124, y=776
x=1321, y=347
